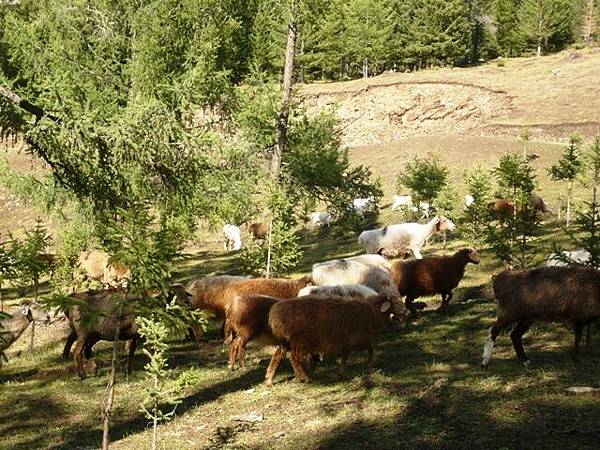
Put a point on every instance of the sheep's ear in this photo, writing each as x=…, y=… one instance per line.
x=26, y=309
x=385, y=306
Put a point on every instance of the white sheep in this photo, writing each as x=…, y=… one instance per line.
x=401, y=201
x=469, y=200
x=319, y=218
x=423, y=207
x=575, y=257
x=397, y=238
x=344, y=290
x=347, y=271
x=233, y=237
x=363, y=205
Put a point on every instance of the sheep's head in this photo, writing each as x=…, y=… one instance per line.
x=180, y=294
x=470, y=255
x=34, y=311
x=394, y=307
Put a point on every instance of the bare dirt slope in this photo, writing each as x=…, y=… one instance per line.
x=553, y=95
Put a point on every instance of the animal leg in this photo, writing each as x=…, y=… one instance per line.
x=370, y=358
x=341, y=366
x=296, y=360
x=89, y=345
x=588, y=334
x=274, y=364
x=68, y=344
x=446, y=297
x=578, y=335
x=417, y=252
x=78, y=355
x=408, y=301
x=131, y=353
x=233, y=351
x=516, y=335
x=196, y=332
x=489, y=344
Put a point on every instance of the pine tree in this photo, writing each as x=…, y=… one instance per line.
x=544, y=22
x=506, y=22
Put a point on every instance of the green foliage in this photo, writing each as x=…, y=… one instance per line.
x=506, y=22
x=586, y=229
x=446, y=201
x=317, y=170
x=28, y=254
x=511, y=241
x=570, y=165
x=477, y=181
x=159, y=391
x=546, y=23
x=424, y=178
x=285, y=251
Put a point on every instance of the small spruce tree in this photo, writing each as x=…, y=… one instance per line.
x=477, y=180
x=425, y=178
x=568, y=168
x=512, y=240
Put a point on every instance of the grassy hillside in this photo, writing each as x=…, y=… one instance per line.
x=428, y=390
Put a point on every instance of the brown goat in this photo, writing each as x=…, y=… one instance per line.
x=275, y=287
x=431, y=275
x=546, y=294
x=259, y=230
x=334, y=325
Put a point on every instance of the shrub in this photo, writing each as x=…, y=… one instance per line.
x=424, y=178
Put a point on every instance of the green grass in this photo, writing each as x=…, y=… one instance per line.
x=427, y=392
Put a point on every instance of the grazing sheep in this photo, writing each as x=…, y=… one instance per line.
x=575, y=257
x=369, y=260
x=469, y=200
x=545, y=294
x=363, y=205
x=259, y=230
x=537, y=203
x=12, y=327
x=344, y=290
x=96, y=265
x=248, y=319
x=400, y=237
x=319, y=218
x=233, y=237
x=275, y=287
x=208, y=293
x=343, y=325
x=348, y=271
x=431, y=275
x=501, y=209
x=401, y=201
x=94, y=317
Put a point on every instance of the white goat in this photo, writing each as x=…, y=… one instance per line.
x=319, y=218
x=423, y=207
x=233, y=237
x=401, y=201
x=363, y=205
x=404, y=236
x=575, y=257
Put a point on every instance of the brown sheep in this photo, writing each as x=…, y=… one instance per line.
x=259, y=230
x=208, y=294
x=432, y=275
x=334, y=325
x=502, y=209
x=13, y=326
x=275, y=287
x=249, y=319
x=96, y=265
x=93, y=317
x=546, y=294
x=539, y=204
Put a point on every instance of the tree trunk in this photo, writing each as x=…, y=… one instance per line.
x=269, y=248
x=155, y=416
x=365, y=71
x=282, y=117
x=568, y=214
x=107, y=408
x=589, y=23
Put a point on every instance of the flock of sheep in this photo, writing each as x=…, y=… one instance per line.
x=341, y=306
